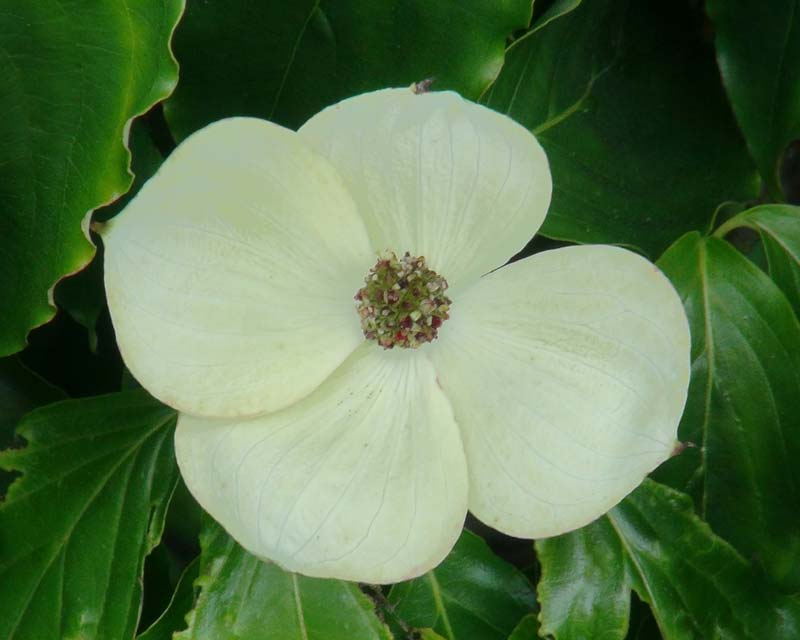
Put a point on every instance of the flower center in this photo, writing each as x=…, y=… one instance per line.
x=402, y=303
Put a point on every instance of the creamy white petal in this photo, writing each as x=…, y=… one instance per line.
x=230, y=277
x=365, y=479
x=567, y=373
x=438, y=176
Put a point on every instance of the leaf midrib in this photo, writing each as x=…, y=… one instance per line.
x=436, y=590
x=699, y=569
x=708, y=349
x=60, y=546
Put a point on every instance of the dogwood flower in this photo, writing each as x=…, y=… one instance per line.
x=347, y=438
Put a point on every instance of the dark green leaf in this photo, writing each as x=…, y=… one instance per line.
x=626, y=99
x=145, y=161
x=643, y=625
x=779, y=228
x=697, y=585
x=60, y=353
x=579, y=571
x=758, y=48
x=74, y=529
x=245, y=598
x=173, y=619
x=285, y=61
x=527, y=629
x=83, y=294
x=185, y=519
x=742, y=408
x=74, y=74
x=472, y=594
x=555, y=10
x=162, y=572
x=20, y=391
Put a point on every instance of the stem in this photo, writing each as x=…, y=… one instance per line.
x=739, y=220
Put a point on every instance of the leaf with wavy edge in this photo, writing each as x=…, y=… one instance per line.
x=21, y=390
x=82, y=295
x=74, y=76
x=285, y=61
x=75, y=528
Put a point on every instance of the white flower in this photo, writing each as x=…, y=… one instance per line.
x=554, y=387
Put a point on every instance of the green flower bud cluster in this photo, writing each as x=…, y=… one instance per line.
x=402, y=303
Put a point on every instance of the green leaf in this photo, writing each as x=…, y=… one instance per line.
x=74, y=74
x=83, y=295
x=472, y=594
x=527, y=629
x=245, y=598
x=173, y=618
x=758, y=49
x=145, y=161
x=697, y=585
x=21, y=390
x=74, y=529
x=429, y=634
x=184, y=518
x=643, y=625
x=626, y=100
x=779, y=228
x=285, y=61
x=742, y=407
x=554, y=11
x=580, y=570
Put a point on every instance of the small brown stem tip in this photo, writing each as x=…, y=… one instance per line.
x=423, y=86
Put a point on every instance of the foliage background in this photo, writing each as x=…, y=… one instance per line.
x=672, y=128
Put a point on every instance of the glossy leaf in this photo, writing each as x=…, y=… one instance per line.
x=472, y=594
x=697, y=585
x=581, y=570
x=626, y=99
x=173, y=618
x=74, y=529
x=82, y=295
x=779, y=228
x=74, y=74
x=742, y=408
x=245, y=598
x=285, y=61
x=758, y=49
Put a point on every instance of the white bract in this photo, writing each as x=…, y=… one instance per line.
x=554, y=387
